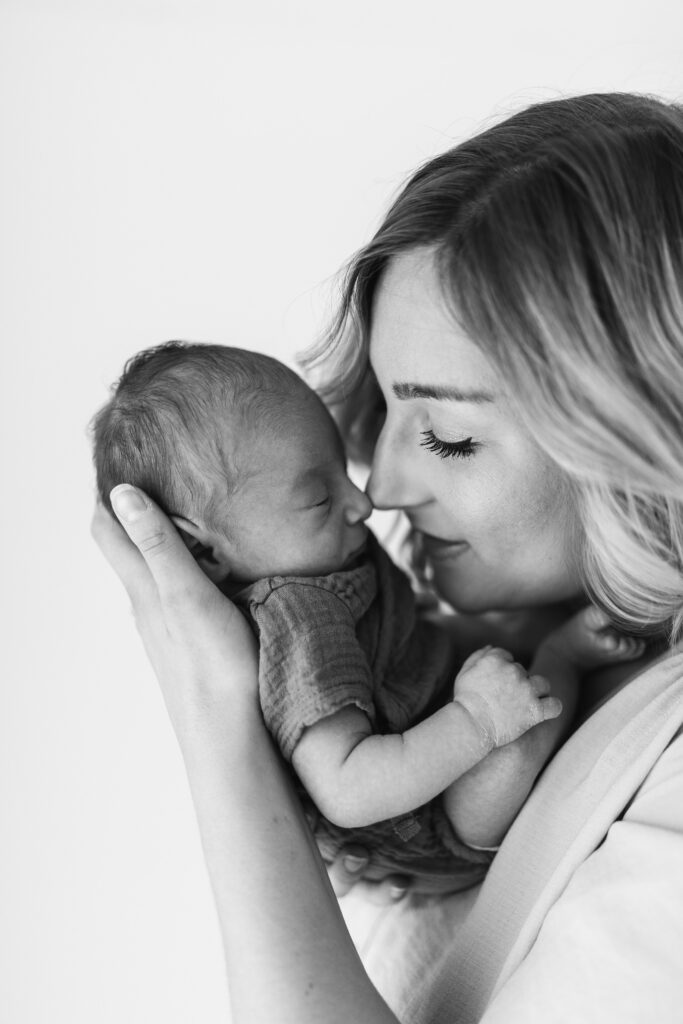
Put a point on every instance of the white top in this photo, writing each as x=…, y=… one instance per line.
x=581, y=916
x=610, y=950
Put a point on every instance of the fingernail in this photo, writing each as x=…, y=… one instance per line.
x=127, y=503
x=397, y=892
x=353, y=863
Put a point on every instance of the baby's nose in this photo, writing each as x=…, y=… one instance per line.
x=359, y=507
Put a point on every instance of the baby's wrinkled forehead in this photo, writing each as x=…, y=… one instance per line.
x=280, y=440
x=288, y=445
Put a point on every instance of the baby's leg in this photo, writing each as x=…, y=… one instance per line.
x=482, y=804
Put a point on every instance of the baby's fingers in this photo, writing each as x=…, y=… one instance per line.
x=347, y=869
x=549, y=707
x=346, y=873
x=545, y=707
x=486, y=653
x=541, y=685
x=390, y=890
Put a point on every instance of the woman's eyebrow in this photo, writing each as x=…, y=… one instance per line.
x=440, y=392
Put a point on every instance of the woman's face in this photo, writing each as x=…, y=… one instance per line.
x=496, y=514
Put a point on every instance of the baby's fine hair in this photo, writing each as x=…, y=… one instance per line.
x=179, y=417
x=558, y=236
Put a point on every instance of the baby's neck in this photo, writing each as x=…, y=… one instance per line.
x=231, y=588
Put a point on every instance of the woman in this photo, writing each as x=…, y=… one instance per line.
x=521, y=312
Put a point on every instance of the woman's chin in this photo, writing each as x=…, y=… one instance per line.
x=471, y=607
x=480, y=601
x=479, y=596
x=466, y=601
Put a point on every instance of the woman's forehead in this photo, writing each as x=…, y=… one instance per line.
x=414, y=338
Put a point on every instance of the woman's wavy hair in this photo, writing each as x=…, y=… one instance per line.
x=558, y=235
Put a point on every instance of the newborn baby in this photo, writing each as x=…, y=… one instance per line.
x=357, y=690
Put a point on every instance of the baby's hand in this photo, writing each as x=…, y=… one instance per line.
x=502, y=698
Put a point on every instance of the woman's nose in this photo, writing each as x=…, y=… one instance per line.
x=393, y=481
x=358, y=506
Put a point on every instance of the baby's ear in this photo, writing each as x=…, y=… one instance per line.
x=200, y=545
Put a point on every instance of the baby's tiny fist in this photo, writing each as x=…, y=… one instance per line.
x=502, y=698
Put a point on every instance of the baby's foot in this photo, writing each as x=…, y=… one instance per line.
x=589, y=640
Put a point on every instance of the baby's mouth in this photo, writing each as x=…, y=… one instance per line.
x=355, y=554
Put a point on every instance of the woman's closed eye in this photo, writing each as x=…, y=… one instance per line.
x=448, y=449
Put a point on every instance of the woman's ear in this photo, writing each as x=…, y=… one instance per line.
x=202, y=547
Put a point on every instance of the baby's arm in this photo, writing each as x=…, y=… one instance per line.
x=356, y=778
x=482, y=804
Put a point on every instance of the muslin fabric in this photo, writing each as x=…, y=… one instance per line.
x=354, y=638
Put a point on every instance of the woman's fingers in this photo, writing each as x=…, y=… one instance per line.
x=170, y=564
x=120, y=552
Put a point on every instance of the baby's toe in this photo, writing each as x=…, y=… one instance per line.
x=626, y=647
x=594, y=619
x=613, y=646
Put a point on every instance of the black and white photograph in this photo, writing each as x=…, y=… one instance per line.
x=342, y=406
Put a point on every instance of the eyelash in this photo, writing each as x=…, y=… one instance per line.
x=448, y=449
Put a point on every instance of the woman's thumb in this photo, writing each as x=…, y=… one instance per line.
x=154, y=536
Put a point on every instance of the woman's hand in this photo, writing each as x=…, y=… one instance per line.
x=283, y=928
x=199, y=644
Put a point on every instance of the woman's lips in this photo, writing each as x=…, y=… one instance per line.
x=437, y=548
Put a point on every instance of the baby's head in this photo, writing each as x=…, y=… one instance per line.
x=241, y=453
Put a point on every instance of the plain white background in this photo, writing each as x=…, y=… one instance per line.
x=191, y=170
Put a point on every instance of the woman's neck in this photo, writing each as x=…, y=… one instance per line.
x=522, y=631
